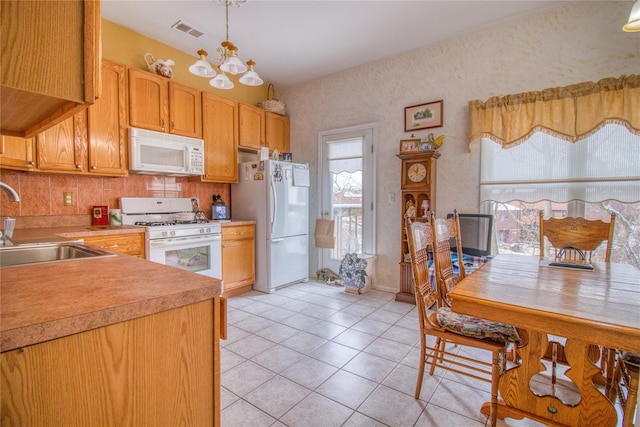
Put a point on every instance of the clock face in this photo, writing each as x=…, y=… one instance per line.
x=417, y=172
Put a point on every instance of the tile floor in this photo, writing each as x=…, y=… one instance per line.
x=312, y=355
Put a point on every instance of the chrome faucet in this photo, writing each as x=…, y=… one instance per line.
x=5, y=238
x=13, y=194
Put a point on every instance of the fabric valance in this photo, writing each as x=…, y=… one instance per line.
x=570, y=113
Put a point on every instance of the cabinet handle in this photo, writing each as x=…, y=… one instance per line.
x=31, y=162
x=173, y=126
x=162, y=123
x=78, y=166
x=94, y=167
x=111, y=247
x=224, y=245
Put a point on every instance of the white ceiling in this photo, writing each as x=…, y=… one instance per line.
x=300, y=40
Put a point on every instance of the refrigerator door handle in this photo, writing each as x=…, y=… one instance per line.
x=274, y=209
x=277, y=240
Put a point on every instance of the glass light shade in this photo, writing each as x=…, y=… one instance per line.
x=233, y=65
x=251, y=78
x=202, y=68
x=634, y=18
x=221, y=81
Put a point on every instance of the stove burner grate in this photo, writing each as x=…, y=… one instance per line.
x=170, y=222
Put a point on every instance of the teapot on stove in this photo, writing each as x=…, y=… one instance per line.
x=158, y=66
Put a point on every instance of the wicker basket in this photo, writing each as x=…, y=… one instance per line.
x=272, y=104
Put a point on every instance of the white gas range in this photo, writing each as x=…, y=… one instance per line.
x=177, y=233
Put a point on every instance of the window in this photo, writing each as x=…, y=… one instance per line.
x=591, y=178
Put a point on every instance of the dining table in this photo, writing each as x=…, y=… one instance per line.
x=598, y=307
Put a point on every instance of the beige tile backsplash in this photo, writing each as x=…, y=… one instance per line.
x=41, y=195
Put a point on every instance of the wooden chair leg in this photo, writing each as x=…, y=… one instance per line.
x=437, y=355
x=423, y=361
x=495, y=377
x=632, y=397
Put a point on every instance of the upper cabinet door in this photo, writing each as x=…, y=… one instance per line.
x=277, y=132
x=220, y=131
x=148, y=101
x=17, y=153
x=185, y=110
x=251, y=127
x=107, y=121
x=63, y=147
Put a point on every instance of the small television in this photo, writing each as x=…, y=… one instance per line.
x=476, y=231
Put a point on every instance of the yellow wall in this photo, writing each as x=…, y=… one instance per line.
x=127, y=47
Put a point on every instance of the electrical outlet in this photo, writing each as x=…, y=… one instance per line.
x=67, y=198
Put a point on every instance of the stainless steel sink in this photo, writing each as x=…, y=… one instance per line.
x=47, y=253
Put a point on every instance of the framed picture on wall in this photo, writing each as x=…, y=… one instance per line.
x=423, y=116
x=409, y=146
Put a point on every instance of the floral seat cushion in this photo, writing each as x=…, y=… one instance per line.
x=476, y=328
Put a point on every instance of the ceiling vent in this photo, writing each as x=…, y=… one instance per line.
x=186, y=28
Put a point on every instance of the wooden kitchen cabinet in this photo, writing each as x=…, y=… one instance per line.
x=185, y=110
x=50, y=62
x=277, y=132
x=63, y=147
x=159, y=369
x=220, y=132
x=127, y=244
x=259, y=128
x=238, y=258
x=251, y=126
x=93, y=141
x=107, y=124
x=17, y=153
x=160, y=105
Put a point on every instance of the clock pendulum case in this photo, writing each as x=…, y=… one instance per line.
x=418, y=188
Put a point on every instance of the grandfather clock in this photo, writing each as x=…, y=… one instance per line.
x=418, y=185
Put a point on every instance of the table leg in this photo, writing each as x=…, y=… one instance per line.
x=592, y=408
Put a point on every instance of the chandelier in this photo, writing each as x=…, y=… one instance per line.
x=228, y=61
x=634, y=18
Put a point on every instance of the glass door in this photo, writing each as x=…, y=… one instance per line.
x=347, y=192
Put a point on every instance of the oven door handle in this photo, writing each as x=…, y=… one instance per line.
x=163, y=243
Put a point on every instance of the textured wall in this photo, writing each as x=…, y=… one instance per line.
x=570, y=43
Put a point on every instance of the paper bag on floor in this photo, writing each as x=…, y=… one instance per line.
x=324, y=233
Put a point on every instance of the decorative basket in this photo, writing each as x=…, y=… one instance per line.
x=272, y=104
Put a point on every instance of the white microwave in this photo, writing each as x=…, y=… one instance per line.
x=155, y=153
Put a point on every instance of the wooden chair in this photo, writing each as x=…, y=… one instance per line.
x=443, y=324
x=626, y=385
x=575, y=239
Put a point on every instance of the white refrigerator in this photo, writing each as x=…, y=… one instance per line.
x=275, y=195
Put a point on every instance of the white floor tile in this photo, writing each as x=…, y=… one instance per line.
x=346, y=388
x=309, y=372
x=316, y=410
x=404, y=411
x=277, y=396
x=312, y=355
